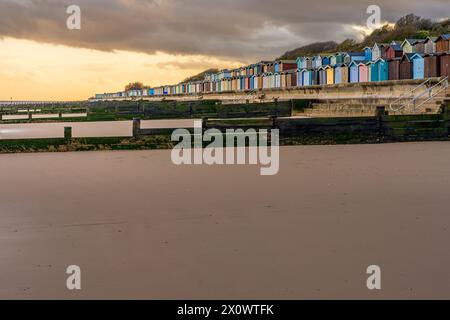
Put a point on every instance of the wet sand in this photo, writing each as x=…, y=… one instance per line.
x=84, y=129
x=141, y=227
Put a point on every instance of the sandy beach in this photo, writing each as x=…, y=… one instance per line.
x=140, y=227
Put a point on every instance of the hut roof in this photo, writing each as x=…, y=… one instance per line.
x=416, y=55
x=408, y=56
x=433, y=39
x=396, y=47
x=444, y=37
x=355, y=54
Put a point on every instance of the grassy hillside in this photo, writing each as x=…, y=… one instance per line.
x=410, y=26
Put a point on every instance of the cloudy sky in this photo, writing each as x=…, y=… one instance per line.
x=164, y=41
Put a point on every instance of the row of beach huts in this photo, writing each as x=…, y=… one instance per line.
x=409, y=59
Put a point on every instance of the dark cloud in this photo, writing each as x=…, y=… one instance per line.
x=242, y=29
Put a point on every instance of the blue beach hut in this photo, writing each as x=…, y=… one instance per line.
x=354, y=71
x=307, y=77
x=367, y=53
x=418, y=66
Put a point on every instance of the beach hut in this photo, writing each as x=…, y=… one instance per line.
x=224, y=74
x=269, y=67
x=379, y=70
x=418, y=66
x=259, y=86
x=236, y=83
x=341, y=73
x=277, y=80
x=250, y=82
x=233, y=86
x=293, y=78
x=283, y=82
x=270, y=81
x=394, y=51
x=264, y=81
x=445, y=65
x=354, y=56
x=382, y=68
x=306, y=77
x=249, y=70
x=219, y=85
x=406, y=67
x=367, y=53
x=229, y=84
x=224, y=83
x=354, y=71
x=419, y=46
x=299, y=77
x=254, y=82
x=299, y=63
x=432, y=65
x=260, y=81
x=325, y=61
x=306, y=63
x=290, y=79
x=430, y=45
x=285, y=65
x=379, y=51
x=315, y=77
x=373, y=72
x=408, y=45
x=394, y=68
x=322, y=75
x=337, y=59
x=330, y=74
x=317, y=62
x=260, y=67
x=363, y=71
x=442, y=43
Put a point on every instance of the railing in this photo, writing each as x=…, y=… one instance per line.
x=406, y=95
x=442, y=85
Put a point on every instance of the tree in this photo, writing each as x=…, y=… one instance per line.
x=408, y=20
x=134, y=86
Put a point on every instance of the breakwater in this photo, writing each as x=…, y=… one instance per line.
x=380, y=128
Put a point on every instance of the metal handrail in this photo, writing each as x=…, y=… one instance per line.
x=429, y=90
x=407, y=94
x=414, y=99
x=431, y=96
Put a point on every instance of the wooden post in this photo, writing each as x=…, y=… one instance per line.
x=60, y=114
x=204, y=124
x=446, y=118
x=68, y=133
x=379, y=113
x=274, y=121
x=136, y=127
x=30, y=115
